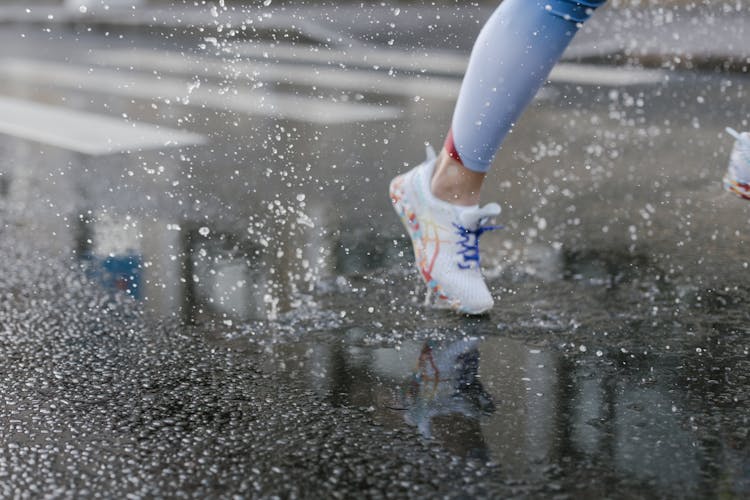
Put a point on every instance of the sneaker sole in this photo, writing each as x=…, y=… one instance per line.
x=737, y=188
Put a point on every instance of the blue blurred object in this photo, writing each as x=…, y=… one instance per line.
x=117, y=273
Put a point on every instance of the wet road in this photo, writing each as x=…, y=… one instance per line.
x=220, y=302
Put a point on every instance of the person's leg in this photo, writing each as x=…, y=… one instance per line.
x=511, y=59
x=438, y=201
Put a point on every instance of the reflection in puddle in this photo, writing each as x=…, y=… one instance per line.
x=189, y=271
x=222, y=275
x=499, y=399
x=120, y=273
x=445, y=393
x=110, y=248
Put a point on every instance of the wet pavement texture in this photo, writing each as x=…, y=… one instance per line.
x=240, y=316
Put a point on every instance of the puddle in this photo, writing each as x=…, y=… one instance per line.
x=527, y=408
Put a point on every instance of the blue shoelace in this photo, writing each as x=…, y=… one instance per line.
x=470, y=248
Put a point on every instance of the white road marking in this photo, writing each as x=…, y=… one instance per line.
x=606, y=76
x=362, y=80
x=359, y=80
x=84, y=132
x=442, y=62
x=435, y=61
x=254, y=102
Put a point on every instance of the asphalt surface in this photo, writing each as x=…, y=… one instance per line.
x=233, y=312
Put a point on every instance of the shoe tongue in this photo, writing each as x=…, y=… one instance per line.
x=471, y=216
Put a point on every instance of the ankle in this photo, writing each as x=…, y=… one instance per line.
x=454, y=183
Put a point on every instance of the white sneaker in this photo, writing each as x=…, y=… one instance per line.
x=737, y=178
x=445, y=239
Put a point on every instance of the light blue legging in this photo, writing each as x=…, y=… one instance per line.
x=511, y=59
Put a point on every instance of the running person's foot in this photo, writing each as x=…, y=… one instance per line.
x=445, y=238
x=737, y=178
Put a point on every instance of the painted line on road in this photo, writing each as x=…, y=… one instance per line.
x=359, y=80
x=605, y=76
x=451, y=63
x=354, y=79
x=85, y=132
x=185, y=91
x=444, y=62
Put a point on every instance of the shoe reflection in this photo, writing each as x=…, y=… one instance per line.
x=444, y=397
